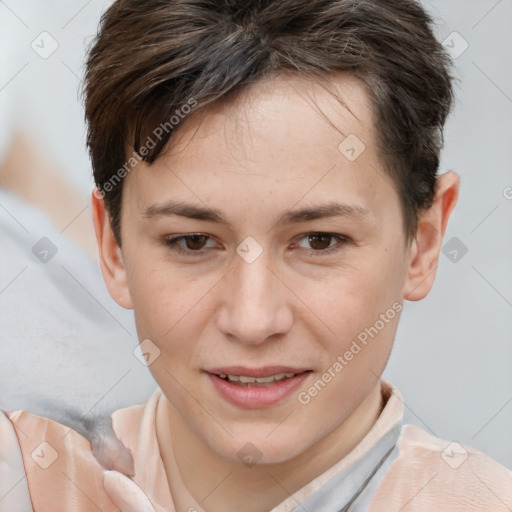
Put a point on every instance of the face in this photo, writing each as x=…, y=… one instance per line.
x=260, y=245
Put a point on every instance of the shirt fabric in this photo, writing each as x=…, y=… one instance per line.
x=395, y=467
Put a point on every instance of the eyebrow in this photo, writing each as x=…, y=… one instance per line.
x=191, y=211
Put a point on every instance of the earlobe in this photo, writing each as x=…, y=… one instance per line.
x=110, y=254
x=425, y=249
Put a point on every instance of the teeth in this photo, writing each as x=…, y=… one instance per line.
x=258, y=380
x=265, y=380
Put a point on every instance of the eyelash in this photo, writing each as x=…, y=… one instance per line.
x=172, y=243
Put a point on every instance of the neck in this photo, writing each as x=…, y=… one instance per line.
x=201, y=479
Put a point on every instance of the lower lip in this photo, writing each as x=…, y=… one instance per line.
x=255, y=397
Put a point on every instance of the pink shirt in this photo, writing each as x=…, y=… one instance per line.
x=395, y=467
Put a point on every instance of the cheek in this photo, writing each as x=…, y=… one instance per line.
x=172, y=311
x=160, y=296
x=356, y=293
x=357, y=311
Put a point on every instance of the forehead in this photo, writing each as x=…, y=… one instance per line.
x=283, y=137
x=289, y=112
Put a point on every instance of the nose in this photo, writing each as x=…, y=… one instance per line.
x=255, y=303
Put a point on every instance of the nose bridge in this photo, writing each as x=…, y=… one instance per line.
x=256, y=307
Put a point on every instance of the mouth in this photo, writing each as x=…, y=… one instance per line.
x=246, y=381
x=256, y=387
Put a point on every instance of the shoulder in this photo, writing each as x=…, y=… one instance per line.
x=432, y=473
x=60, y=469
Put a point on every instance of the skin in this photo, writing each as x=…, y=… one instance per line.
x=253, y=160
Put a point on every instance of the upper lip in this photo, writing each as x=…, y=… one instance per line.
x=264, y=371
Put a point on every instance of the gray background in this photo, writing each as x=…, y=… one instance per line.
x=452, y=359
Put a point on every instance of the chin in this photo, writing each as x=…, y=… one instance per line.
x=256, y=448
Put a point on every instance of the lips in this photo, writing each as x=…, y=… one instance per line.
x=256, y=387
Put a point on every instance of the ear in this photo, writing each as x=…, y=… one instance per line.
x=425, y=249
x=110, y=254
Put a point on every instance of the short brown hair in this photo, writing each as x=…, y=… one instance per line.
x=152, y=58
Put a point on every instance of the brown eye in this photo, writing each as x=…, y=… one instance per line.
x=193, y=243
x=321, y=244
x=320, y=241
